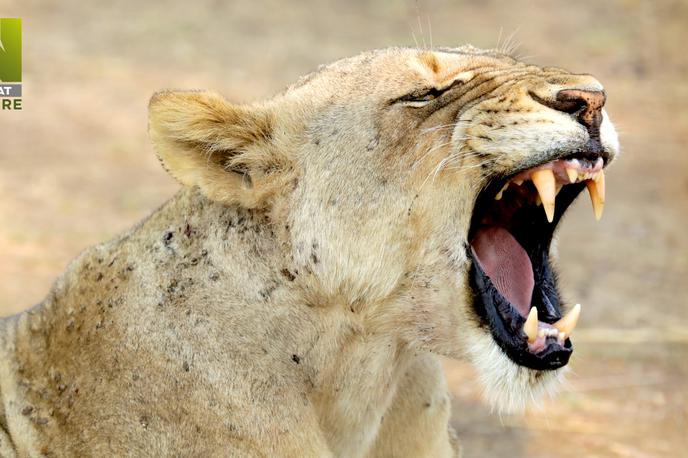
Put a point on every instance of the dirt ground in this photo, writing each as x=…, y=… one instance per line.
x=76, y=168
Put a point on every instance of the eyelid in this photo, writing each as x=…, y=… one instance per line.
x=432, y=92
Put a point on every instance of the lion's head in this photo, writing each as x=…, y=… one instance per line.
x=416, y=189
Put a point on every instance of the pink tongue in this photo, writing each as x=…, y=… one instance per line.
x=507, y=264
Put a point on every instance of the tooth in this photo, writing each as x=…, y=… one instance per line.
x=499, y=194
x=518, y=182
x=596, y=191
x=541, y=333
x=545, y=184
x=568, y=323
x=559, y=186
x=562, y=338
x=573, y=175
x=531, y=325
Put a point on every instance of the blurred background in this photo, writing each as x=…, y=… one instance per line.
x=76, y=168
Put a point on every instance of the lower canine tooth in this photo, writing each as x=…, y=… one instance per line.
x=568, y=323
x=530, y=327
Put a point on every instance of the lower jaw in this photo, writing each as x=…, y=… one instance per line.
x=504, y=324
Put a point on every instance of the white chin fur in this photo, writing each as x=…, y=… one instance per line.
x=508, y=387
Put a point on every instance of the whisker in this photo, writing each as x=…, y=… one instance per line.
x=413, y=35
x=420, y=25
x=454, y=156
x=435, y=171
x=509, y=45
x=436, y=128
x=472, y=166
x=444, y=126
x=439, y=167
x=428, y=153
x=515, y=47
x=523, y=57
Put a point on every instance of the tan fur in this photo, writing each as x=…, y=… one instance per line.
x=291, y=298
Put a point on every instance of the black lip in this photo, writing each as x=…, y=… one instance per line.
x=506, y=325
x=535, y=234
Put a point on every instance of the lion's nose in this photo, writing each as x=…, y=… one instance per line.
x=585, y=105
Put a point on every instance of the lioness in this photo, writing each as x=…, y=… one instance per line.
x=327, y=245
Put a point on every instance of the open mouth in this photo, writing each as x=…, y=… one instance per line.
x=514, y=287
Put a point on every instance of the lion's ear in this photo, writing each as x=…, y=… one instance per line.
x=226, y=150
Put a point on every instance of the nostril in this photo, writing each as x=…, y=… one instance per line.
x=568, y=106
x=590, y=99
x=585, y=106
x=596, y=98
x=589, y=105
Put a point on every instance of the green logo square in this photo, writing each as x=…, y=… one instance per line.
x=10, y=50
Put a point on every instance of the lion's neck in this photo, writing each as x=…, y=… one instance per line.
x=209, y=289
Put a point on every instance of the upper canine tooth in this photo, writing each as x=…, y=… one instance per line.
x=596, y=191
x=530, y=327
x=568, y=322
x=545, y=184
x=572, y=174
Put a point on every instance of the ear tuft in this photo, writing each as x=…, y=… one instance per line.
x=227, y=150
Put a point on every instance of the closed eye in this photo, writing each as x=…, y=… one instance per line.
x=423, y=97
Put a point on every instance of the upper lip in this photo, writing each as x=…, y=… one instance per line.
x=557, y=183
